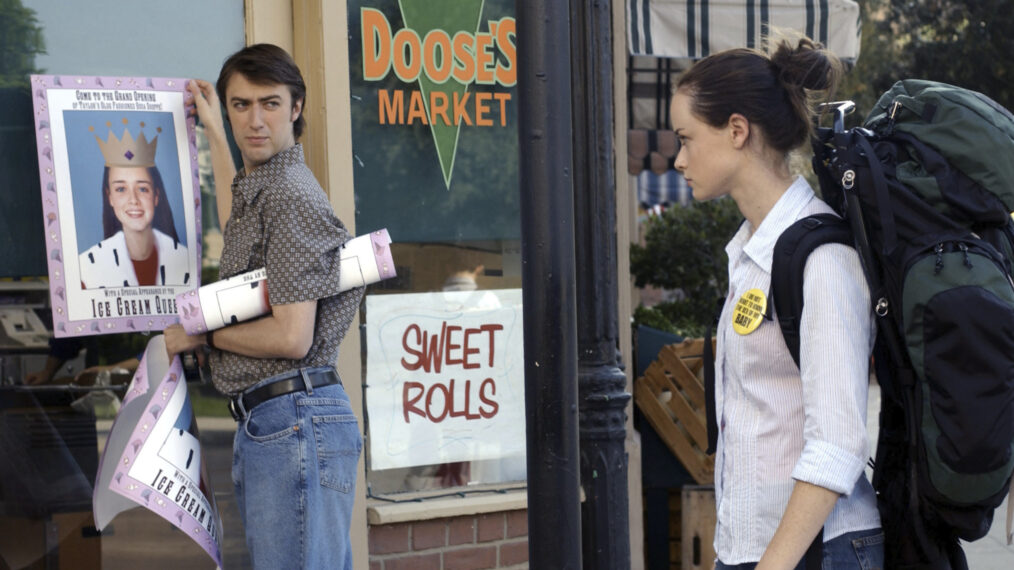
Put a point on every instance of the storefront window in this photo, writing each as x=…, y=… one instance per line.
x=434, y=139
x=53, y=422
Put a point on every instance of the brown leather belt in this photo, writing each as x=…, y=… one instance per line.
x=244, y=403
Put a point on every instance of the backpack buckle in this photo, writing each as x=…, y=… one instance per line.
x=848, y=179
x=895, y=106
x=882, y=307
x=894, y=110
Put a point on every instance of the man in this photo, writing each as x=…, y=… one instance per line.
x=297, y=443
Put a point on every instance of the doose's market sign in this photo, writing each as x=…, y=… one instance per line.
x=434, y=119
x=443, y=51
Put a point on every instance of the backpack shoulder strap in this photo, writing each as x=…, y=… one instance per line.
x=788, y=262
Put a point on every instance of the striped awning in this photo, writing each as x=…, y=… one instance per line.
x=650, y=157
x=698, y=28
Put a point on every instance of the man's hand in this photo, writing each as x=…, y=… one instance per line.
x=38, y=377
x=203, y=100
x=129, y=365
x=177, y=340
x=47, y=373
x=207, y=106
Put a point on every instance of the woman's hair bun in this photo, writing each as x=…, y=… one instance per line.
x=807, y=65
x=773, y=90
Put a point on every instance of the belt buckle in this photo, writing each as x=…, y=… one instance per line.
x=233, y=411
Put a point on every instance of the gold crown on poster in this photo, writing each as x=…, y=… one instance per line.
x=126, y=150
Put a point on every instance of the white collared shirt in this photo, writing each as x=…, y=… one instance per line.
x=778, y=425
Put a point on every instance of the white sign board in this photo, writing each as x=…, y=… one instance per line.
x=445, y=377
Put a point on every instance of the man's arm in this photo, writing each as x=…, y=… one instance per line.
x=286, y=333
x=222, y=166
x=53, y=364
x=129, y=364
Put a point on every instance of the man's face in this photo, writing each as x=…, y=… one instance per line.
x=261, y=117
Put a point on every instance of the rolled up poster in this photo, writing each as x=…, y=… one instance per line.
x=364, y=260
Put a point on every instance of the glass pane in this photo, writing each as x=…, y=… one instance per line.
x=54, y=419
x=434, y=136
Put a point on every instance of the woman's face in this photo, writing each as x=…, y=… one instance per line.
x=132, y=196
x=705, y=155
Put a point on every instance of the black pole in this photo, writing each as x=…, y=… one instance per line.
x=601, y=383
x=547, y=255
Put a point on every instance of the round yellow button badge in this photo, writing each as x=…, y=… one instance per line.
x=749, y=311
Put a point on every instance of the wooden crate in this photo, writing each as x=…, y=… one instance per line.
x=671, y=397
x=675, y=530
x=699, y=518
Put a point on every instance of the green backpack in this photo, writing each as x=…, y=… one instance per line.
x=926, y=188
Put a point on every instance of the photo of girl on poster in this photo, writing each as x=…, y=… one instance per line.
x=139, y=243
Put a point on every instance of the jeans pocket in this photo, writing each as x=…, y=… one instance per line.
x=339, y=444
x=870, y=551
x=271, y=420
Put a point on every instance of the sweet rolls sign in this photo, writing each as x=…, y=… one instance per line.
x=445, y=377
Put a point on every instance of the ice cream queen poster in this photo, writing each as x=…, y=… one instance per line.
x=120, y=198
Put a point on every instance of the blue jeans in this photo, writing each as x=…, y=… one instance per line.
x=294, y=469
x=859, y=550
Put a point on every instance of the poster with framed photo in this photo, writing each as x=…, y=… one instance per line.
x=120, y=200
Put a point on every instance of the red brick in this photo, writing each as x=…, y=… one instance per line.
x=429, y=534
x=416, y=562
x=490, y=527
x=388, y=538
x=517, y=524
x=512, y=553
x=470, y=558
x=376, y=565
x=461, y=531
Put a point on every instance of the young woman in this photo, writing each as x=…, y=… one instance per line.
x=141, y=246
x=792, y=446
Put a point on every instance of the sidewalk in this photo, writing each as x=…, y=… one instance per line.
x=988, y=553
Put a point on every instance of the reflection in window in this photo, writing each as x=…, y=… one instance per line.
x=54, y=419
x=21, y=41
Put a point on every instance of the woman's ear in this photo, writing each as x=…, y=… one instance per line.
x=739, y=130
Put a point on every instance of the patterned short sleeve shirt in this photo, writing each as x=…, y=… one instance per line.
x=281, y=220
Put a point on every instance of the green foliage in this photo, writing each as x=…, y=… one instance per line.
x=676, y=317
x=20, y=40
x=967, y=43
x=207, y=402
x=684, y=251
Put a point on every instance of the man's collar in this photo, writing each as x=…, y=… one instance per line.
x=250, y=184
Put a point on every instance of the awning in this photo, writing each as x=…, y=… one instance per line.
x=698, y=28
x=650, y=157
x=650, y=150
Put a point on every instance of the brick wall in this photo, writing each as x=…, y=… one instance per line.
x=469, y=542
